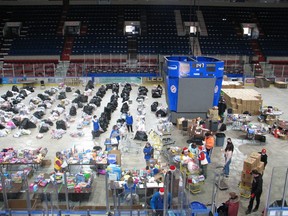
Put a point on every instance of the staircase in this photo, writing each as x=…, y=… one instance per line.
x=179, y=24
x=201, y=23
x=258, y=71
x=257, y=50
x=195, y=46
x=67, y=50
x=62, y=68
x=132, y=52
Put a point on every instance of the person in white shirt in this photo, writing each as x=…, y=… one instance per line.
x=228, y=156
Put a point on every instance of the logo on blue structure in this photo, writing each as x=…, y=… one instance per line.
x=172, y=67
x=173, y=89
x=216, y=89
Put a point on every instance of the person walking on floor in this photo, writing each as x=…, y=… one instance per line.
x=228, y=156
x=256, y=191
x=157, y=202
x=264, y=157
x=148, y=153
x=129, y=122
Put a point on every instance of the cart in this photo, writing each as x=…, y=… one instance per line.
x=245, y=191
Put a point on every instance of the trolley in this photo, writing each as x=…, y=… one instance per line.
x=245, y=191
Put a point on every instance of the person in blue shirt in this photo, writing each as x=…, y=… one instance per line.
x=148, y=152
x=115, y=134
x=157, y=202
x=130, y=189
x=129, y=122
x=96, y=127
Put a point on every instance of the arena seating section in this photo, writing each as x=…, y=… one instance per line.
x=102, y=34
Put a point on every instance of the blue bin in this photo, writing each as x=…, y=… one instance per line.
x=198, y=208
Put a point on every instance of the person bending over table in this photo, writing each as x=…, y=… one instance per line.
x=157, y=202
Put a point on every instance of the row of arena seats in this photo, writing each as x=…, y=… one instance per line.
x=95, y=70
x=44, y=21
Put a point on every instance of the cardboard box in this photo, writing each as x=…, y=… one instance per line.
x=249, y=164
x=118, y=155
x=17, y=204
x=257, y=157
x=179, y=123
x=260, y=167
x=246, y=177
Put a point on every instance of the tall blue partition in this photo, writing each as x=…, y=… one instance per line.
x=193, y=85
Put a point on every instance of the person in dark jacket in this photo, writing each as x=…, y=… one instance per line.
x=256, y=191
x=148, y=152
x=129, y=122
x=264, y=157
x=157, y=202
x=221, y=106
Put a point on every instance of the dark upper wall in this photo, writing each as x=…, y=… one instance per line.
x=247, y=3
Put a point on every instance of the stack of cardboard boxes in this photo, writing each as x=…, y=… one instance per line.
x=253, y=162
x=241, y=100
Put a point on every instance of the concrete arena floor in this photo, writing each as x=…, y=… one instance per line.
x=276, y=149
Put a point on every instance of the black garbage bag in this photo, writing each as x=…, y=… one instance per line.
x=49, y=122
x=68, y=89
x=73, y=111
x=15, y=88
x=83, y=98
x=156, y=94
x=43, y=105
x=43, y=129
x=62, y=95
x=16, y=122
x=154, y=106
x=89, y=85
x=60, y=124
x=23, y=92
x=50, y=93
x=141, y=135
x=2, y=127
x=38, y=114
x=161, y=113
x=78, y=91
x=88, y=109
x=26, y=124
x=9, y=94
x=109, y=86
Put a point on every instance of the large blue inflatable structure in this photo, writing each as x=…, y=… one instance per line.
x=193, y=85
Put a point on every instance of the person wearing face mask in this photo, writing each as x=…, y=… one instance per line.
x=228, y=152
